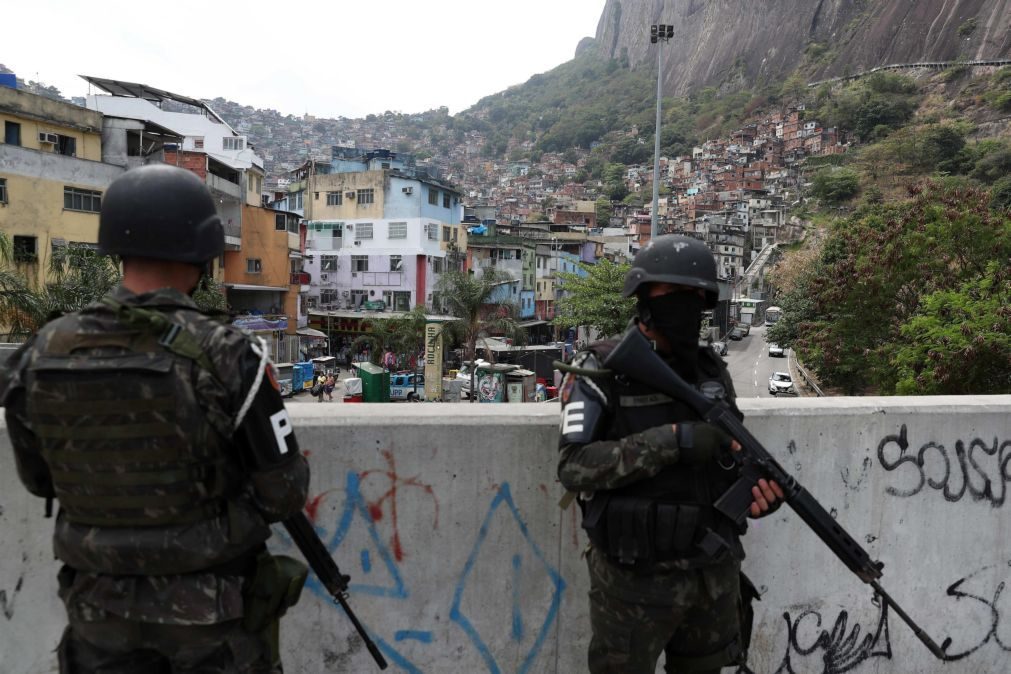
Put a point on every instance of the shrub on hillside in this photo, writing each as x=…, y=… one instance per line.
x=833, y=186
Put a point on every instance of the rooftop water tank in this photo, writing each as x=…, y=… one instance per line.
x=9, y=80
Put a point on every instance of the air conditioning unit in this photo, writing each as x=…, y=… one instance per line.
x=350, y=226
x=324, y=277
x=358, y=243
x=408, y=190
x=345, y=293
x=51, y=138
x=354, y=274
x=349, y=195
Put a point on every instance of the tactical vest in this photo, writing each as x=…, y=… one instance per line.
x=115, y=411
x=669, y=516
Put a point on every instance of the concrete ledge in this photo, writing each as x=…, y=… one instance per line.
x=446, y=517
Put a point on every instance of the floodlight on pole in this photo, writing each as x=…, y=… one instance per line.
x=658, y=33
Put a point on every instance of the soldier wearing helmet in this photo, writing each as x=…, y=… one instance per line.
x=162, y=433
x=664, y=564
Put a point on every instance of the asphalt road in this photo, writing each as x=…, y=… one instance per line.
x=751, y=366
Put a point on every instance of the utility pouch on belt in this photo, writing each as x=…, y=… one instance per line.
x=275, y=587
x=630, y=525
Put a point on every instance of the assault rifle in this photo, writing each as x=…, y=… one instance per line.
x=634, y=357
x=329, y=574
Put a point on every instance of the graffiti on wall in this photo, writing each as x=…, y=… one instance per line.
x=535, y=587
x=978, y=467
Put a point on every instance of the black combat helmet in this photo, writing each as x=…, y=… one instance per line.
x=673, y=258
x=163, y=212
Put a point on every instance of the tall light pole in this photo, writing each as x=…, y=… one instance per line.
x=658, y=33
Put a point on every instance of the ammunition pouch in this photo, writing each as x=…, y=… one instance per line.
x=274, y=587
x=642, y=531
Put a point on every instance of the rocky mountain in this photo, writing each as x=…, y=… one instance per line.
x=733, y=43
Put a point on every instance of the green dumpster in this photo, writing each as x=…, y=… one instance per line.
x=375, y=383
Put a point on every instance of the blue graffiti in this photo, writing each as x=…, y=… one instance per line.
x=413, y=635
x=456, y=613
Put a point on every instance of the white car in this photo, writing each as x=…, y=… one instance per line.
x=781, y=382
x=776, y=350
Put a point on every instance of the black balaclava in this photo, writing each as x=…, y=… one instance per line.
x=678, y=317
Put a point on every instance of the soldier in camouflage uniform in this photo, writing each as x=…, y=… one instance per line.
x=162, y=433
x=664, y=564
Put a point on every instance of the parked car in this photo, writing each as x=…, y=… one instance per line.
x=781, y=382
x=776, y=350
x=402, y=386
x=736, y=334
x=745, y=328
x=720, y=348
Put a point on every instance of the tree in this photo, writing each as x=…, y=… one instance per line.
x=79, y=276
x=603, y=209
x=959, y=341
x=834, y=186
x=478, y=313
x=885, y=268
x=595, y=300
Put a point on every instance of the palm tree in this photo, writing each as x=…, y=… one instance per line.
x=78, y=276
x=470, y=300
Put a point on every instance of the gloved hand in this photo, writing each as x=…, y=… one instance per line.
x=699, y=442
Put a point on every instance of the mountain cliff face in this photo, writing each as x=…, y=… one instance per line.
x=735, y=42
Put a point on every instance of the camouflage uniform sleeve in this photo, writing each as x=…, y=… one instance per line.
x=32, y=468
x=587, y=460
x=261, y=430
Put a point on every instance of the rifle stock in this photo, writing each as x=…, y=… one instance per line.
x=635, y=358
x=326, y=569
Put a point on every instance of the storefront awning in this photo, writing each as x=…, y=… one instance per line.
x=530, y=324
x=311, y=332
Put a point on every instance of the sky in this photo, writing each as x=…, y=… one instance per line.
x=330, y=59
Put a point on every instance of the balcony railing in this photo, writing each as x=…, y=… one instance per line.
x=300, y=278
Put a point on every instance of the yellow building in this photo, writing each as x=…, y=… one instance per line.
x=52, y=176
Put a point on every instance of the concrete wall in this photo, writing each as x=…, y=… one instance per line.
x=461, y=561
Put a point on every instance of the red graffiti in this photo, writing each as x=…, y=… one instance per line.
x=390, y=497
x=312, y=505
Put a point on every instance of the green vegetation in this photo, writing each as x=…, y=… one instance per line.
x=871, y=107
x=909, y=297
x=595, y=300
x=834, y=186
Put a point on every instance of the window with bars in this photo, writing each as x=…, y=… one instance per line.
x=334, y=199
x=433, y=231
x=328, y=263
x=198, y=143
x=359, y=263
x=433, y=196
x=280, y=222
x=445, y=233
x=438, y=265
x=396, y=263
x=366, y=196
x=328, y=296
x=398, y=230
x=88, y=201
x=363, y=230
x=3, y=190
x=253, y=265
x=445, y=199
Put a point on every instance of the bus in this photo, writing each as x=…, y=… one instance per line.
x=773, y=314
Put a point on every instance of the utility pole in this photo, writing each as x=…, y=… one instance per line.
x=658, y=33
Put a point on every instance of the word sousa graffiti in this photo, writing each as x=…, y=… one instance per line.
x=981, y=467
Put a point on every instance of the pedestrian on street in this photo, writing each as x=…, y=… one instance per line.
x=161, y=431
x=328, y=387
x=319, y=390
x=664, y=564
